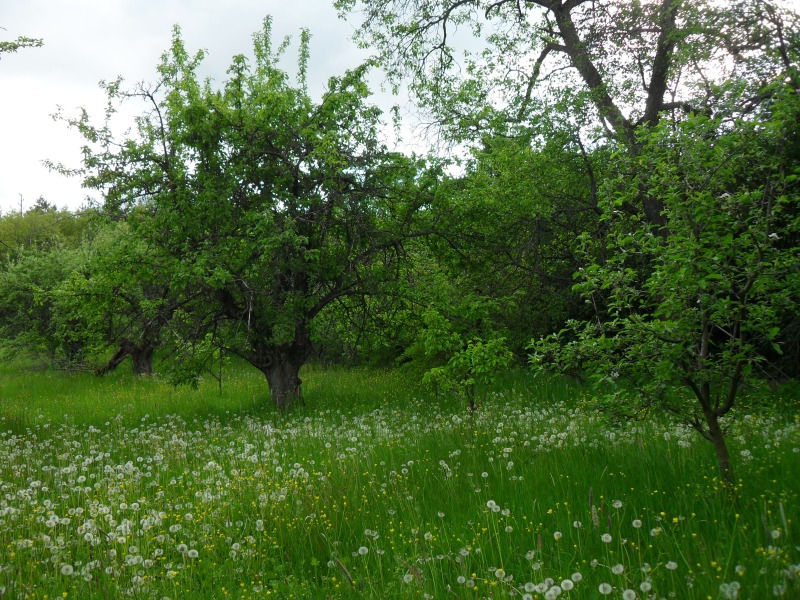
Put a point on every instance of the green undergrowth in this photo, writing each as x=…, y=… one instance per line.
x=374, y=488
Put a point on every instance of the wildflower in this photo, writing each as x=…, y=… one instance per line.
x=606, y=537
x=363, y=550
x=67, y=569
x=576, y=577
x=557, y=535
x=605, y=588
x=617, y=569
x=552, y=593
x=617, y=504
x=567, y=585
x=628, y=595
x=192, y=553
x=637, y=523
x=530, y=587
x=408, y=578
x=645, y=586
x=671, y=565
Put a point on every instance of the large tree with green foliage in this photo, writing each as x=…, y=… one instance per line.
x=270, y=206
x=687, y=318
x=691, y=275
x=611, y=65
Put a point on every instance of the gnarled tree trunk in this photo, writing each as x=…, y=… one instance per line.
x=281, y=366
x=142, y=357
x=283, y=378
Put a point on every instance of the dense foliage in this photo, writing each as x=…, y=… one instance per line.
x=647, y=151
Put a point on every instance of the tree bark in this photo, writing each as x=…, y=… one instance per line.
x=142, y=357
x=283, y=378
x=717, y=437
x=125, y=349
x=281, y=366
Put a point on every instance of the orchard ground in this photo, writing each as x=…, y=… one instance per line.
x=374, y=488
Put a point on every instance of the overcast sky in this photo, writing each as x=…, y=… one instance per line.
x=89, y=40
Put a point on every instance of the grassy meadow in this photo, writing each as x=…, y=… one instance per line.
x=375, y=488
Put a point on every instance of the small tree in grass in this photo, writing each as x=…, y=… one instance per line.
x=467, y=363
x=472, y=366
x=687, y=314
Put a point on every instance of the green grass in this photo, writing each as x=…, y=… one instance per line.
x=375, y=489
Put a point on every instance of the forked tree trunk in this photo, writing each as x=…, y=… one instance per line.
x=142, y=357
x=717, y=437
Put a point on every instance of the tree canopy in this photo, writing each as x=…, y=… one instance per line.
x=268, y=206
